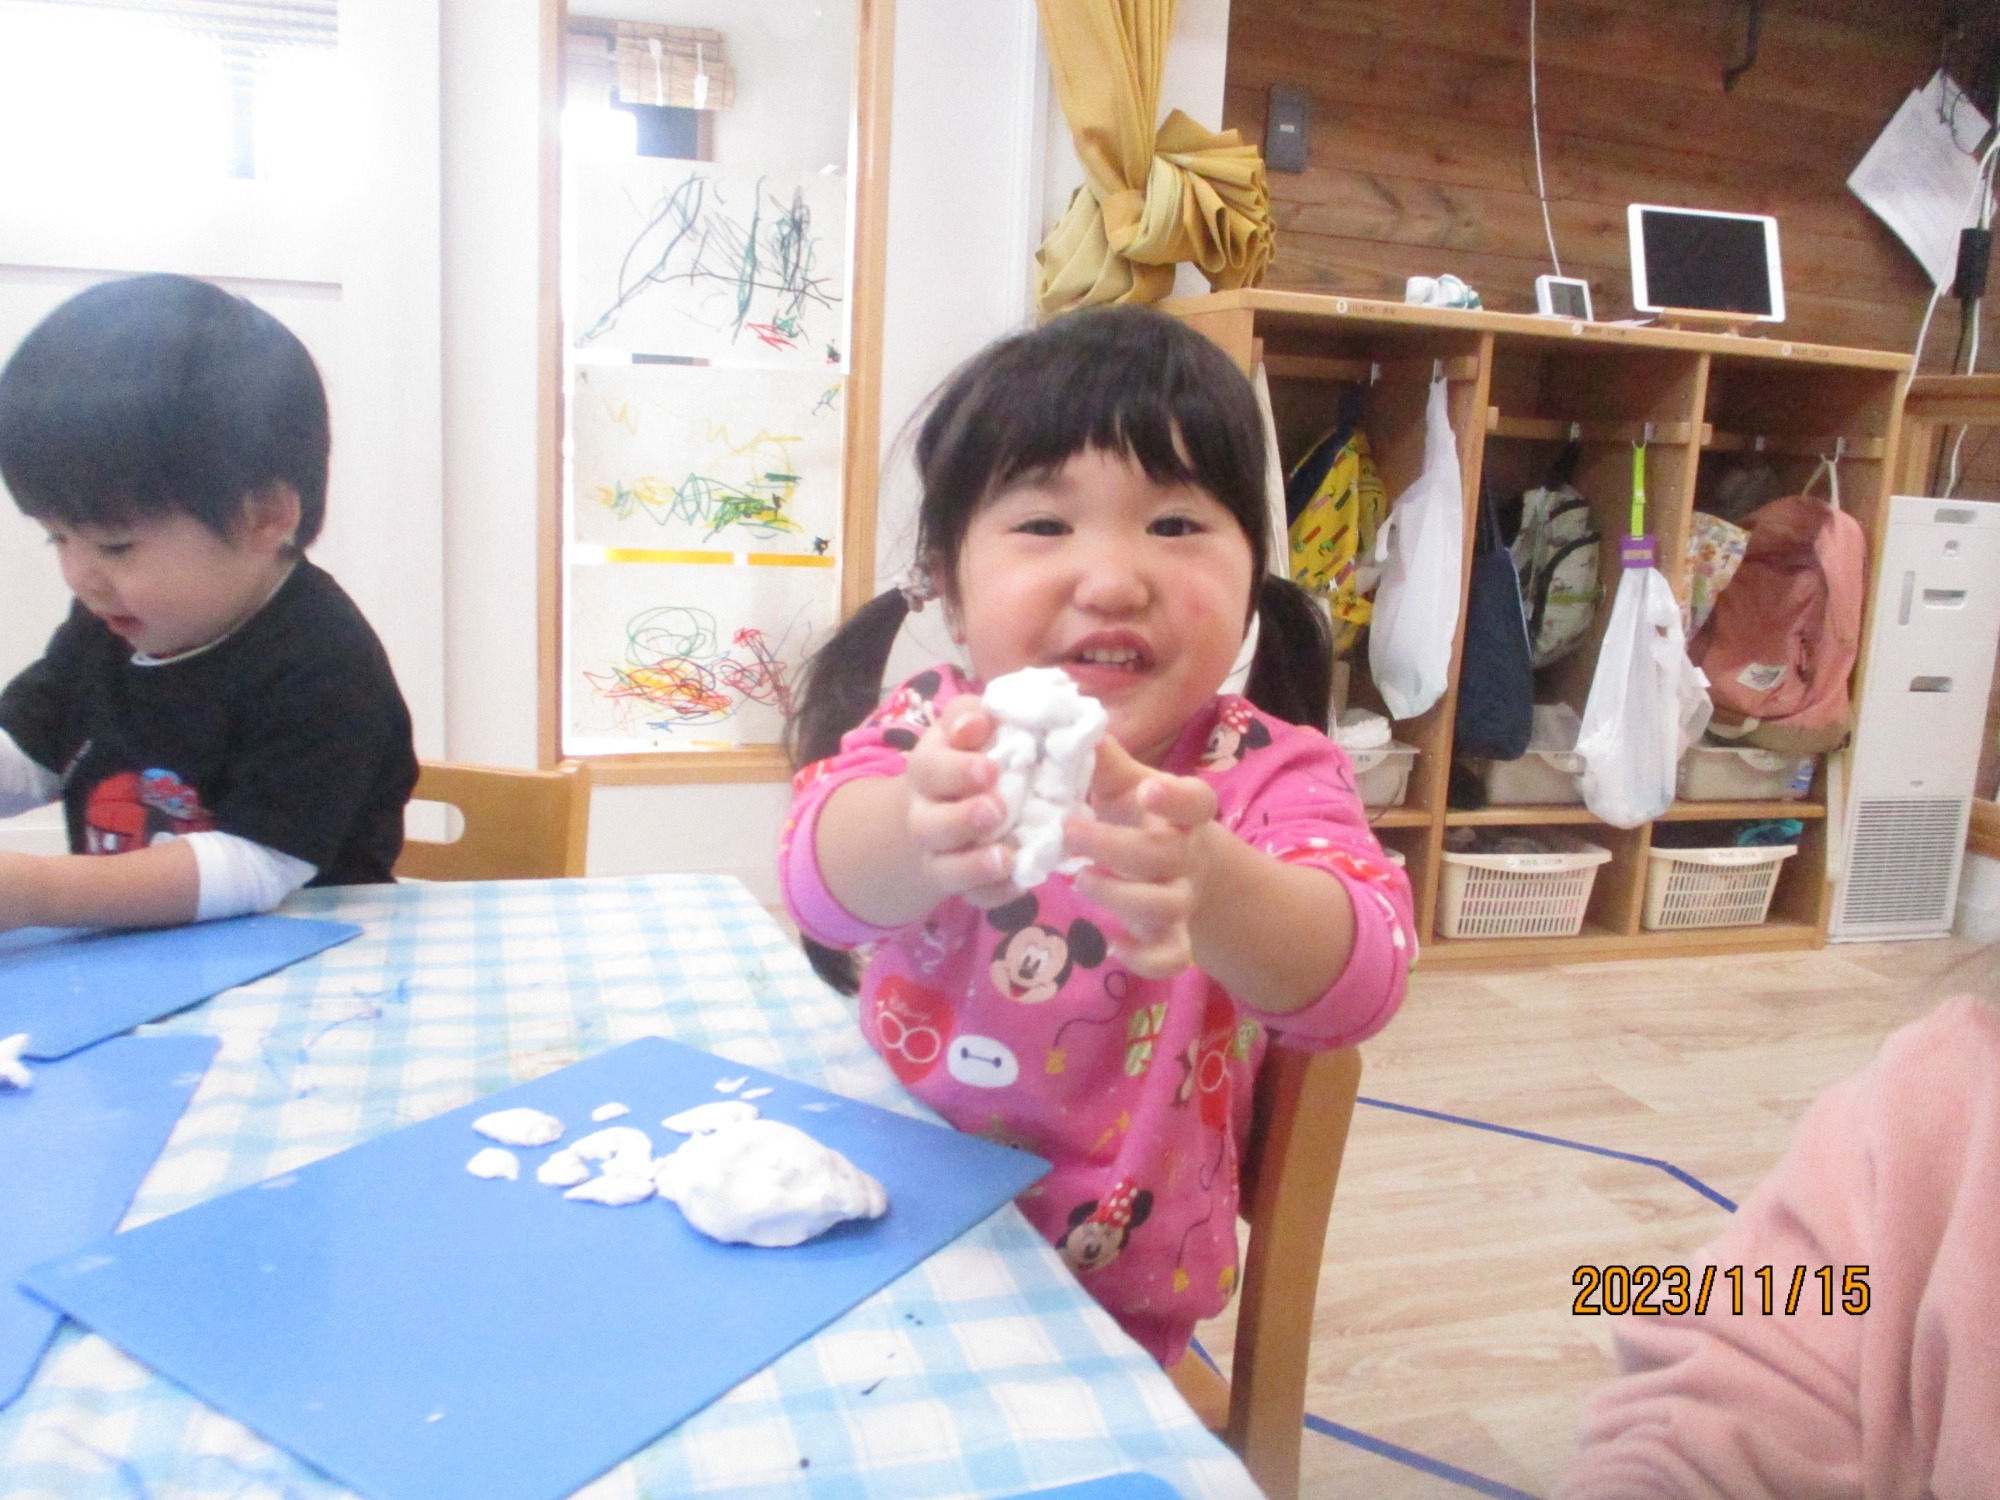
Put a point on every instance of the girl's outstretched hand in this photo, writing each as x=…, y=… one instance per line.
x=1149, y=857
x=953, y=809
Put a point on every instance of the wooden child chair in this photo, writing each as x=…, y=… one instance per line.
x=1298, y=1131
x=519, y=825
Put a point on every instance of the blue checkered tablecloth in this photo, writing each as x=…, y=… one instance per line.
x=985, y=1371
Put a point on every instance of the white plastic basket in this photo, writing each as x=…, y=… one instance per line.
x=1742, y=773
x=1712, y=887
x=1382, y=775
x=1518, y=895
x=1539, y=777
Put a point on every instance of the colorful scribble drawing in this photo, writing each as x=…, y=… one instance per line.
x=756, y=503
x=676, y=672
x=769, y=266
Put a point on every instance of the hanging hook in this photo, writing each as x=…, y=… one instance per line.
x=1375, y=372
x=1757, y=443
x=1645, y=436
x=1437, y=369
x=1730, y=75
x=1576, y=432
x=1839, y=449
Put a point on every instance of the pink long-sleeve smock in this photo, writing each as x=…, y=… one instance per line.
x=1017, y=1025
x=1894, y=1174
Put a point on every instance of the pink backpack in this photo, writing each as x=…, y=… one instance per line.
x=1781, y=645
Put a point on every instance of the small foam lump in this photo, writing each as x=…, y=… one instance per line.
x=762, y=1182
x=1046, y=748
x=613, y=1190
x=519, y=1127
x=605, y=1112
x=704, y=1118
x=563, y=1169
x=493, y=1162
x=13, y=1072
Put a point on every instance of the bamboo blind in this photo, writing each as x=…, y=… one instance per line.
x=662, y=65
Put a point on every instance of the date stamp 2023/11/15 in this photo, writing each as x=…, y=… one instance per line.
x=1673, y=1290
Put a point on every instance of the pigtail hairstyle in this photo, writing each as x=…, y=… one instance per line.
x=1125, y=380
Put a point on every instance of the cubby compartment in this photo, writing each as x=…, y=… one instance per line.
x=1522, y=389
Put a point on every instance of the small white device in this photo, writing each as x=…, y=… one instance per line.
x=1701, y=260
x=1562, y=297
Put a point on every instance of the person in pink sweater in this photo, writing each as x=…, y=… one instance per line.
x=1893, y=1181
x=1094, y=501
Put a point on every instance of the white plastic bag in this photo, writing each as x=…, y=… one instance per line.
x=1421, y=548
x=1647, y=704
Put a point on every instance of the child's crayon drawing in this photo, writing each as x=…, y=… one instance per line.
x=680, y=259
x=685, y=656
x=672, y=457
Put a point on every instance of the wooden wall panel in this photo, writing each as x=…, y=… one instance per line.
x=1421, y=158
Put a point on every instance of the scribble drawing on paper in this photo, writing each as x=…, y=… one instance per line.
x=681, y=457
x=756, y=501
x=677, y=672
x=741, y=262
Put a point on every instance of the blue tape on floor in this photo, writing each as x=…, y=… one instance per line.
x=1555, y=1140
x=1450, y=1473
x=1406, y=1456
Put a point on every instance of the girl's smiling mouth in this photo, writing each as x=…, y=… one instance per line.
x=1107, y=659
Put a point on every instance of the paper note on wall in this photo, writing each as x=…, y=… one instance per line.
x=1921, y=177
x=677, y=258
x=671, y=456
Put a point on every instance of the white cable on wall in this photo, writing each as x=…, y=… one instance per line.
x=1535, y=122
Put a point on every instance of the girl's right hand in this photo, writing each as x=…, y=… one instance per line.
x=953, y=808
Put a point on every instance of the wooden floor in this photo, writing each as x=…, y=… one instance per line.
x=1444, y=1322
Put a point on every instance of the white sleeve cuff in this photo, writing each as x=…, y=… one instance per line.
x=238, y=877
x=24, y=782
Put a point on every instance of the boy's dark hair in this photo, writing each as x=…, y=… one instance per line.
x=1125, y=380
x=156, y=395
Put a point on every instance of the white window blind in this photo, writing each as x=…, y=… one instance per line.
x=240, y=25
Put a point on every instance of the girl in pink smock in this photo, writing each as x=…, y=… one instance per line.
x=1094, y=500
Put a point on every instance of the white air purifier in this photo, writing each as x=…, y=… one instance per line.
x=1928, y=665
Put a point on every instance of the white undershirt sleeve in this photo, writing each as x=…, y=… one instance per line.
x=24, y=782
x=239, y=877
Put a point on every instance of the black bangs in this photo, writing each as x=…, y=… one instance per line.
x=156, y=395
x=1126, y=380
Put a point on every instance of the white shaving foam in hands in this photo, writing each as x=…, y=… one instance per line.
x=766, y=1183
x=1046, y=749
x=13, y=1072
x=519, y=1127
x=704, y=1118
x=493, y=1162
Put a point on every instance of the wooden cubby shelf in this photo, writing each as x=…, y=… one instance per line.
x=1520, y=387
x=1400, y=817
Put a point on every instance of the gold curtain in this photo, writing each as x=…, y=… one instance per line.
x=1150, y=198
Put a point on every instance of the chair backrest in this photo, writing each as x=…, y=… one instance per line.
x=1298, y=1133
x=519, y=825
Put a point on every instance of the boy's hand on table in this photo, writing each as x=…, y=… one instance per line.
x=953, y=808
x=1149, y=854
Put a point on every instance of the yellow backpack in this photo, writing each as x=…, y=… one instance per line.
x=1335, y=501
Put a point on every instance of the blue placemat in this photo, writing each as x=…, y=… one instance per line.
x=421, y=1334
x=74, y=1148
x=67, y=989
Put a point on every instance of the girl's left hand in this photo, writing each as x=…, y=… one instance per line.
x=1149, y=857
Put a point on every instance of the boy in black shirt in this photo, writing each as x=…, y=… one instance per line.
x=214, y=710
